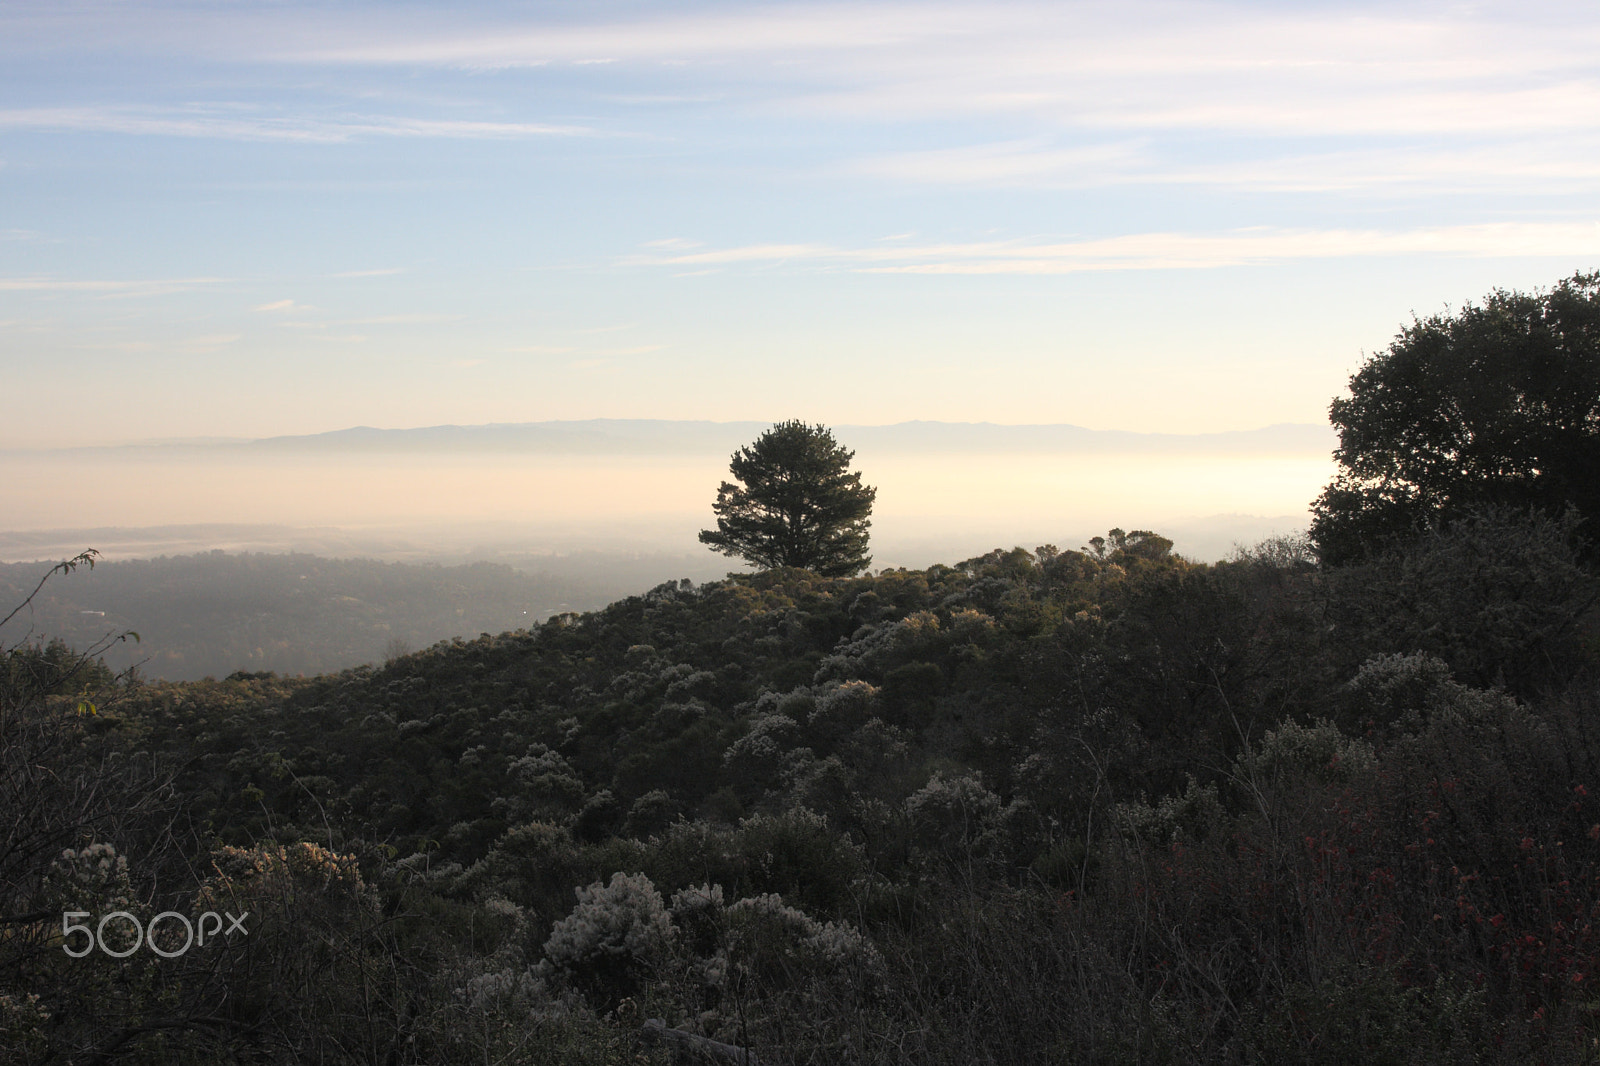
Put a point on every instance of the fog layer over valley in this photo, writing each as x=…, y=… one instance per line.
x=946, y=491
x=471, y=529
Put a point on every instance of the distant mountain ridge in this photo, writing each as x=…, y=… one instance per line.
x=652, y=436
x=607, y=436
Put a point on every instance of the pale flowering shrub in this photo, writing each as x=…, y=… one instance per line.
x=614, y=936
x=284, y=875
x=755, y=761
x=760, y=950
x=770, y=909
x=692, y=906
x=1318, y=751
x=95, y=870
x=651, y=814
x=1193, y=815
x=303, y=898
x=840, y=946
x=93, y=877
x=699, y=914
x=22, y=1027
x=782, y=945
x=819, y=784
x=1399, y=688
x=769, y=737
x=546, y=774
x=501, y=989
x=875, y=648
x=842, y=707
x=503, y=907
x=513, y=993
x=686, y=683
x=952, y=812
x=971, y=626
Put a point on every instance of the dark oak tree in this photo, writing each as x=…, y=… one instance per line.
x=796, y=503
x=1497, y=405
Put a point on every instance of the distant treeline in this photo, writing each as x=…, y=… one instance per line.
x=216, y=613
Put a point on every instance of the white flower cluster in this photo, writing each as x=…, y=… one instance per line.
x=100, y=860
x=970, y=626
x=22, y=1025
x=93, y=872
x=698, y=913
x=841, y=945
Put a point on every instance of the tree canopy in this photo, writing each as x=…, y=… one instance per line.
x=797, y=504
x=1496, y=405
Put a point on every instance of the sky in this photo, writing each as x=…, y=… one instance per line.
x=233, y=220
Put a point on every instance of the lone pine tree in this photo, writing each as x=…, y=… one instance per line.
x=796, y=504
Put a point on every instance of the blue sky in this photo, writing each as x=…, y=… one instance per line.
x=248, y=219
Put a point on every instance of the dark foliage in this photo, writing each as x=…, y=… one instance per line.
x=1497, y=405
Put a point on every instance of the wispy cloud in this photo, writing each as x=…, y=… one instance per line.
x=1133, y=65
x=1491, y=96
x=209, y=341
x=588, y=352
x=225, y=123
x=1137, y=64
x=414, y=319
x=1032, y=160
x=1164, y=251
x=378, y=273
x=147, y=287
x=1523, y=166
x=409, y=319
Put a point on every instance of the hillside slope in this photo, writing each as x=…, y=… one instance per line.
x=1108, y=801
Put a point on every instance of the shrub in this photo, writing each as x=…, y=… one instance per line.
x=614, y=937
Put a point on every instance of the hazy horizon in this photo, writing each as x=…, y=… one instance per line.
x=945, y=491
